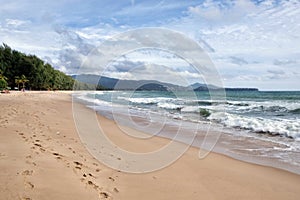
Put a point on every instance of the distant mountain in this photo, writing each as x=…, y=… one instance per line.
x=106, y=82
x=197, y=85
x=203, y=87
x=119, y=84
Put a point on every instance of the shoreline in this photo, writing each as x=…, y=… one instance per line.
x=236, y=144
x=42, y=158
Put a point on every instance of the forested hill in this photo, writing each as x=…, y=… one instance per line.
x=18, y=69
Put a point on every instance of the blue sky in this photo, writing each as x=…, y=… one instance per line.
x=251, y=43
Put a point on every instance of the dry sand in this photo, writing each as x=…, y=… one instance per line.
x=41, y=157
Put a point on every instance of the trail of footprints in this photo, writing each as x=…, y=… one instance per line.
x=87, y=175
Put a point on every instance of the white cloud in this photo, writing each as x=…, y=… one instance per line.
x=152, y=71
x=254, y=36
x=15, y=22
x=247, y=41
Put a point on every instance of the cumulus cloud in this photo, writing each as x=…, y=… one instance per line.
x=124, y=65
x=254, y=36
x=153, y=64
x=248, y=41
x=152, y=71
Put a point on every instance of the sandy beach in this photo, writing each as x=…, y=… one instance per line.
x=42, y=157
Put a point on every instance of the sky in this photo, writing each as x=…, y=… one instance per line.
x=250, y=43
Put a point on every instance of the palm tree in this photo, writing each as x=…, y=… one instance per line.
x=22, y=80
x=18, y=81
x=3, y=81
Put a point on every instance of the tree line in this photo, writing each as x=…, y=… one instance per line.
x=20, y=70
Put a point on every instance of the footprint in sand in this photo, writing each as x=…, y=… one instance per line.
x=29, y=158
x=30, y=163
x=27, y=172
x=37, y=144
x=104, y=195
x=98, y=170
x=73, y=151
x=78, y=166
x=95, y=186
x=116, y=190
x=78, y=163
x=29, y=185
x=90, y=183
x=57, y=155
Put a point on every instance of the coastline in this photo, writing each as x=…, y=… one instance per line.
x=161, y=117
x=42, y=157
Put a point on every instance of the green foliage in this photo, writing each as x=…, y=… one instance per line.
x=3, y=84
x=31, y=72
x=22, y=80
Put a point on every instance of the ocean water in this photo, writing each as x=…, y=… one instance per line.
x=256, y=126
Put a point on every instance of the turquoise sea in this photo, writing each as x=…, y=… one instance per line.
x=256, y=126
